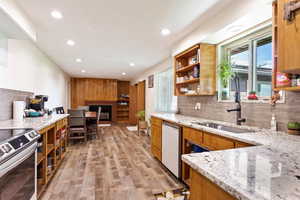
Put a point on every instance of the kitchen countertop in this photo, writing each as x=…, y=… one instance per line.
x=268, y=171
x=36, y=123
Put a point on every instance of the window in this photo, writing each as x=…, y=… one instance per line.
x=164, y=92
x=251, y=60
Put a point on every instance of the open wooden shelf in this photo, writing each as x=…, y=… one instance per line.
x=40, y=157
x=189, y=81
x=292, y=89
x=187, y=68
x=56, y=140
x=204, y=56
x=50, y=148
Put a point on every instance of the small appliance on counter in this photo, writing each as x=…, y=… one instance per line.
x=36, y=106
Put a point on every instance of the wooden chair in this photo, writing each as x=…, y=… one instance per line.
x=77, y=125
x=60, y=110
x=96, y=128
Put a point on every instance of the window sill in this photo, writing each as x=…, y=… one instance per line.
x=260, y=101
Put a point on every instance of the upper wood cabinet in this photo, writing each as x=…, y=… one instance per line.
x=288, y=39
x=286, y=48
x=195, y=71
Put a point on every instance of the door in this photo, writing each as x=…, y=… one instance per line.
x=288, y=41
x=141, y=95
x=133, y=104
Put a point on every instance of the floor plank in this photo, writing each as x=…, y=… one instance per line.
x=117, y=165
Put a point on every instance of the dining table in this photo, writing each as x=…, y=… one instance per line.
x=90, y=115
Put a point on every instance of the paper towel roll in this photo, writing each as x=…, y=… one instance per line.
x=18, y=110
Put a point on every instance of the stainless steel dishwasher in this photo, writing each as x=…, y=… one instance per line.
x=171, y=151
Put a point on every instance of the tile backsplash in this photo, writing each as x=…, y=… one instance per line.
x=257, y=114
x=7, y=97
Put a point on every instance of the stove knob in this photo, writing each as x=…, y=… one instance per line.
x=6, y=148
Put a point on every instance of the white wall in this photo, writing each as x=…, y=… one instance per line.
x=150, y=92
x=29, y=69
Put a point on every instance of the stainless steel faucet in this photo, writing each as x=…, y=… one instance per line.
x=238, y=109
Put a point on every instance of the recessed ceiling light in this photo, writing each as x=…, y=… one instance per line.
x=165, y=32
x=79, y=60
x=123, y=73
x=70, y=43
x=83, y=71
x=132, y=64
x=56, y=14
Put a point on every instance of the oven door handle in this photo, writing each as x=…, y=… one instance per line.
x=17, y=159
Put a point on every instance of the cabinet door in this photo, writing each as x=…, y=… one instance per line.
x=204, y=189
x=288, y=41
x=156, y=141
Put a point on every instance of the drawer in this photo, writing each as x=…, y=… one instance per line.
x=214, y=142
x=156, y=152
x=155, y=121
x=193, y=135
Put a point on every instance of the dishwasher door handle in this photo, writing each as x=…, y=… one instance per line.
x=171, y=125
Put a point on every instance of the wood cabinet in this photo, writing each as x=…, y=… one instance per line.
x=156, y=137
x=203, y=189
x=286, y=48
x=195, y=70
x=51, y=151
x=288, y=40
x=92, y=89
x=214, y=142
x=123, y=104
x=207, y=141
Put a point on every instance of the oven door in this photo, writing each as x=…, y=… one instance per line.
x=18, y=175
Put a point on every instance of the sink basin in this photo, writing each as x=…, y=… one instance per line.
x=223, y=127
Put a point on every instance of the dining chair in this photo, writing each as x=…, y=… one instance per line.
x=77, y=125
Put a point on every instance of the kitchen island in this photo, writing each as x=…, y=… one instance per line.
x=268, y=170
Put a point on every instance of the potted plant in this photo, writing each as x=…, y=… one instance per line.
x=252, y=95
x=293, y=128
x=225, y=74
x=142, y=122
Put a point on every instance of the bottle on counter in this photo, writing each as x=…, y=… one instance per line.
x=273, y=123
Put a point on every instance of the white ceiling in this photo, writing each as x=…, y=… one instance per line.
x=111, y=34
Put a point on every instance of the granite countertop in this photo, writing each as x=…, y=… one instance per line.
x=268, y=171
x=36, y=123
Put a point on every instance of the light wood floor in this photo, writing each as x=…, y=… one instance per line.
x=116, y=166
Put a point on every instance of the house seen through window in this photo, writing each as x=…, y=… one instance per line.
x=251, y=61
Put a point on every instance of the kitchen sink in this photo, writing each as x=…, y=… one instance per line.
x=223, y=127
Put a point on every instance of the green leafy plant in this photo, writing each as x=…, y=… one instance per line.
x=141, y=115
x=225, y=72
x=252, y=92
x=293, y=125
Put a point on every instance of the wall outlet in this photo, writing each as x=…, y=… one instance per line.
x=198, y=106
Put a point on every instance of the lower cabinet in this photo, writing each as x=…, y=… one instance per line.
x=203, y=189
x=156, y=134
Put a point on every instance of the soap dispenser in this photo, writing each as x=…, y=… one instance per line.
x=273, y=123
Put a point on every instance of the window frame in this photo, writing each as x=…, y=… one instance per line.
x=250, y=39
